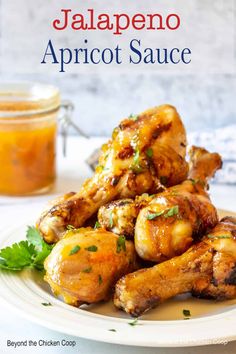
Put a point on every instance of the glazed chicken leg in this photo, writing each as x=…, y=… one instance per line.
x=167, y=223
x=84, y=266
x=120, y=215
x=142, y=150
x=207, y=269
x=175, y=218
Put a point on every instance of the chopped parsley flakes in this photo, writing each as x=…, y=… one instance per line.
x=87, y=270
x=152, y=216
x=134, y=322
x=99, y=279
x=120, y=244
x=186, y=313
x=97, y=225
x=46, y=304
x=136, y=157
x=92, y=248
x=136, y=167
x=219, y=236
x=197, y=181
x=166, y=213
x=70, y=227
x=74, y=250
x=149, y=152
x=111, y=219
x=133, y=117
x=172, y=211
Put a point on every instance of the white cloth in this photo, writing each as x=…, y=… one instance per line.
x=223, y=141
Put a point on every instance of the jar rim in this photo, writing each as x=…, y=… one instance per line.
x=27, y=99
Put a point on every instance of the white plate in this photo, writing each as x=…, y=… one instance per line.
x=211, y=322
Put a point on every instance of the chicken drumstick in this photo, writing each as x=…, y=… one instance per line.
x=142, y=150
x=175, y=218
x=207, y=269
x=120, y=216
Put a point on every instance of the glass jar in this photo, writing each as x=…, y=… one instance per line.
x=28, y=128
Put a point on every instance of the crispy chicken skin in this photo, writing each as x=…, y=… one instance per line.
x=142, y=150
x=207, y=269
x=84, y=266
x=120, y=215
x=175, y=218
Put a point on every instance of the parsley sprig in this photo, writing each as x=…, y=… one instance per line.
x=29, y=253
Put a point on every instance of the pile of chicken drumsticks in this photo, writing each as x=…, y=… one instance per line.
x=157, y=233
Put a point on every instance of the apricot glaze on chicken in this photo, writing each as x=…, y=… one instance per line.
x=171, y=220
x=207, y=269
x=143, y=150
x=84, y=266
x=176, y=218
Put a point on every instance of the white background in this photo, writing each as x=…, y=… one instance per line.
x=203, y=91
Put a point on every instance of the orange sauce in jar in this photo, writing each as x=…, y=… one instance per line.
x=27, y=141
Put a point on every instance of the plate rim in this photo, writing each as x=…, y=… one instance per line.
x=225, y=321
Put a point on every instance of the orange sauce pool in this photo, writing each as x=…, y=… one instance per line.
x=27, y=156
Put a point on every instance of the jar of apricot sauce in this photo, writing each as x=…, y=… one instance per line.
x=28, y=128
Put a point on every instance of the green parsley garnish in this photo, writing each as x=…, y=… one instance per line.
x=111, y=219
x=112, y=330
x=87, y=270
x=29, y=253
x=219, y=236
x=149, y=152
x=136, y=167
x=99, y=279
x=152, y=216
x=120, y=244
x=46, y=304
x=172, y=211
x=136, y=157
x=74, y=250
x=92, y=248
x=70, y=227
x=166, y=213
x=133, y=117
x=97, y=225
x=134, y=322
x=197, y=181
x=186, y=313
